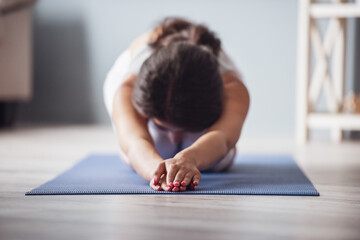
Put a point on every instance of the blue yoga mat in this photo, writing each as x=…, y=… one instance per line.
x=250, y=175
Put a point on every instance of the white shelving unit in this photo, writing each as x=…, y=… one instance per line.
x=310, y=82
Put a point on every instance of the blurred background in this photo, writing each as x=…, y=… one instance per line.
x=74, y=44
x=299, y=58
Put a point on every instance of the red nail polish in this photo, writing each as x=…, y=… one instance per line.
x=182, y=188
x=183, y=183
x=171, y=184
x=158, y=188
x=175, y=189
x=154, y=181
x=176, y=184
x=196, y=182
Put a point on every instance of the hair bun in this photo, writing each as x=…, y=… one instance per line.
x=173, y=29
x=201, y=35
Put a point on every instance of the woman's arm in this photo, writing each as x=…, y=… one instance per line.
x=131, y=128
x=223, y=135
x=132, y=132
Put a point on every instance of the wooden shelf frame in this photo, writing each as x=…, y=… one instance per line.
x=336, y=10
x=345, y=121
x=331, y=81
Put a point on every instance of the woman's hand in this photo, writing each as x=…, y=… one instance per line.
x=175, y=174
x=162, y=185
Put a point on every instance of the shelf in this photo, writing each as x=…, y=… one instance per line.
x=344, y=121
x=341, y=10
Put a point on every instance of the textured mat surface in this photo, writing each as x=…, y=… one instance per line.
x=250, y=174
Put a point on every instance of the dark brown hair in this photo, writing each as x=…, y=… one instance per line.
x=180, y=82
x=178, y=29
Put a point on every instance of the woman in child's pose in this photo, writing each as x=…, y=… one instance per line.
x=177, y=103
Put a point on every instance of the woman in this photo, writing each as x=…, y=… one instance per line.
x=174, y=94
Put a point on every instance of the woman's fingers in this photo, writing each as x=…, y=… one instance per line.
x=182, y=188
x=156, y=182
x=196, y=179
x=179, y=178
x=171, y=174
x=156, y=187
x=165, y=187
x=175, y=189
x=163, y=184
x=160, y=170
x=187, y=179
x=174, y=180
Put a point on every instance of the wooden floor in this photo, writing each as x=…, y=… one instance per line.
x=31, y=156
